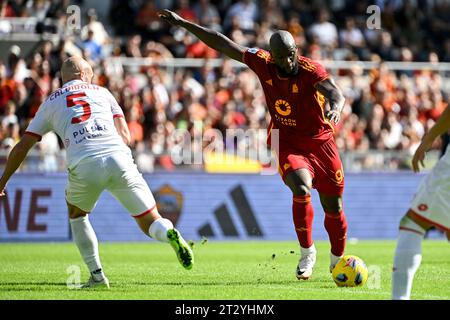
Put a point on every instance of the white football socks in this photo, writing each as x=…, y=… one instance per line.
x=87, y=243
x=334, y=259
x=408, y=256
x=158, y=229
x=305, y=251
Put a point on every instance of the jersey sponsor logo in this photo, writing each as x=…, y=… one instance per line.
x=285, y=121
x=169, y=201
x=339, y=175
x=422, y=207
x=89, y=132
x=283, y=107
x=294, y=88
x=253, y=50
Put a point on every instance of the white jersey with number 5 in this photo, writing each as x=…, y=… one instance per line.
x=82, y=115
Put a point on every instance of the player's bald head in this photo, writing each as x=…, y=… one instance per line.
x=281, y=40
x=76, y=68
x=284, y=53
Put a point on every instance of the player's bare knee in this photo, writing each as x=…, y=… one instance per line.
x=297, y=188
x=334, y=209
x=299, y=182
x=302, y=190
x=332, y=205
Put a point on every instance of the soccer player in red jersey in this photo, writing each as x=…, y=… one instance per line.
x=296, y=90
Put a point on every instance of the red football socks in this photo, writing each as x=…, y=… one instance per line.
x=336, y=226
x=303, y=212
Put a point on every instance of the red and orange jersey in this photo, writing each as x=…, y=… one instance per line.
x=295, y=105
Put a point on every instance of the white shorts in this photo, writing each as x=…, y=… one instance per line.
x=116, y=173
x=432, y=200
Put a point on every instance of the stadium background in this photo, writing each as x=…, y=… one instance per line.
x=395, y=80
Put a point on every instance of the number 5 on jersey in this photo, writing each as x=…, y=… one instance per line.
x=70, y=99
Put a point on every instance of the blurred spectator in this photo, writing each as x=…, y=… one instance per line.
x=147, y=21
x=208, y=15
x=185, y=11
x=49, y=149
x=351, y=37
x=323, y=31
x=91, y=49
x=272, y=14
x=133, y=46
x=37, y=8
x=10, y=136
x=246, y=12
x=392, y=133
x=122, y=16
x=16, y=66
x=10, y=117
x=6, y=10
x=135, y=126
x=100, y=35
x=297, y=30
x=7, y=88
x=33, y=99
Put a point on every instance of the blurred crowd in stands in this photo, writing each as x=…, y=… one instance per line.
x=385, y=109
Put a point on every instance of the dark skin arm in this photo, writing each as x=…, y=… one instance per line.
x=235, y=51
x=335, y=98
x=210, y=37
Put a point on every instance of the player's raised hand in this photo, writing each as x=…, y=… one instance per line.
x=170, y=16
x=419, y=155
x=333, y=115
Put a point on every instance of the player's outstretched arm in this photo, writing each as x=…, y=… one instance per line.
x=210, y=37
x=441, y=126
x=335, y=98
x=15, y=159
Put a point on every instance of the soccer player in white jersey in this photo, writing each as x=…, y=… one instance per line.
x=91, y=123
x=430, y=207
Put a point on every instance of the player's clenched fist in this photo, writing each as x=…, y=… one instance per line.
x=334, y=116
x=170, y=17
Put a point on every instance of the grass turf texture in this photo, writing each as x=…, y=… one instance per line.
x=222, y=270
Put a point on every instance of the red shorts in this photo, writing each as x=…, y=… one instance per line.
x=322, y=161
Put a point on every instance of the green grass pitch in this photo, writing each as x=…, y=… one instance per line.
x=222, y=271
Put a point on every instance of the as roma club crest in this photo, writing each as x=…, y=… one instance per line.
x=169, y=203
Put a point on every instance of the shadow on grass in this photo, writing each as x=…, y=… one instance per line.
x=118, y=285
